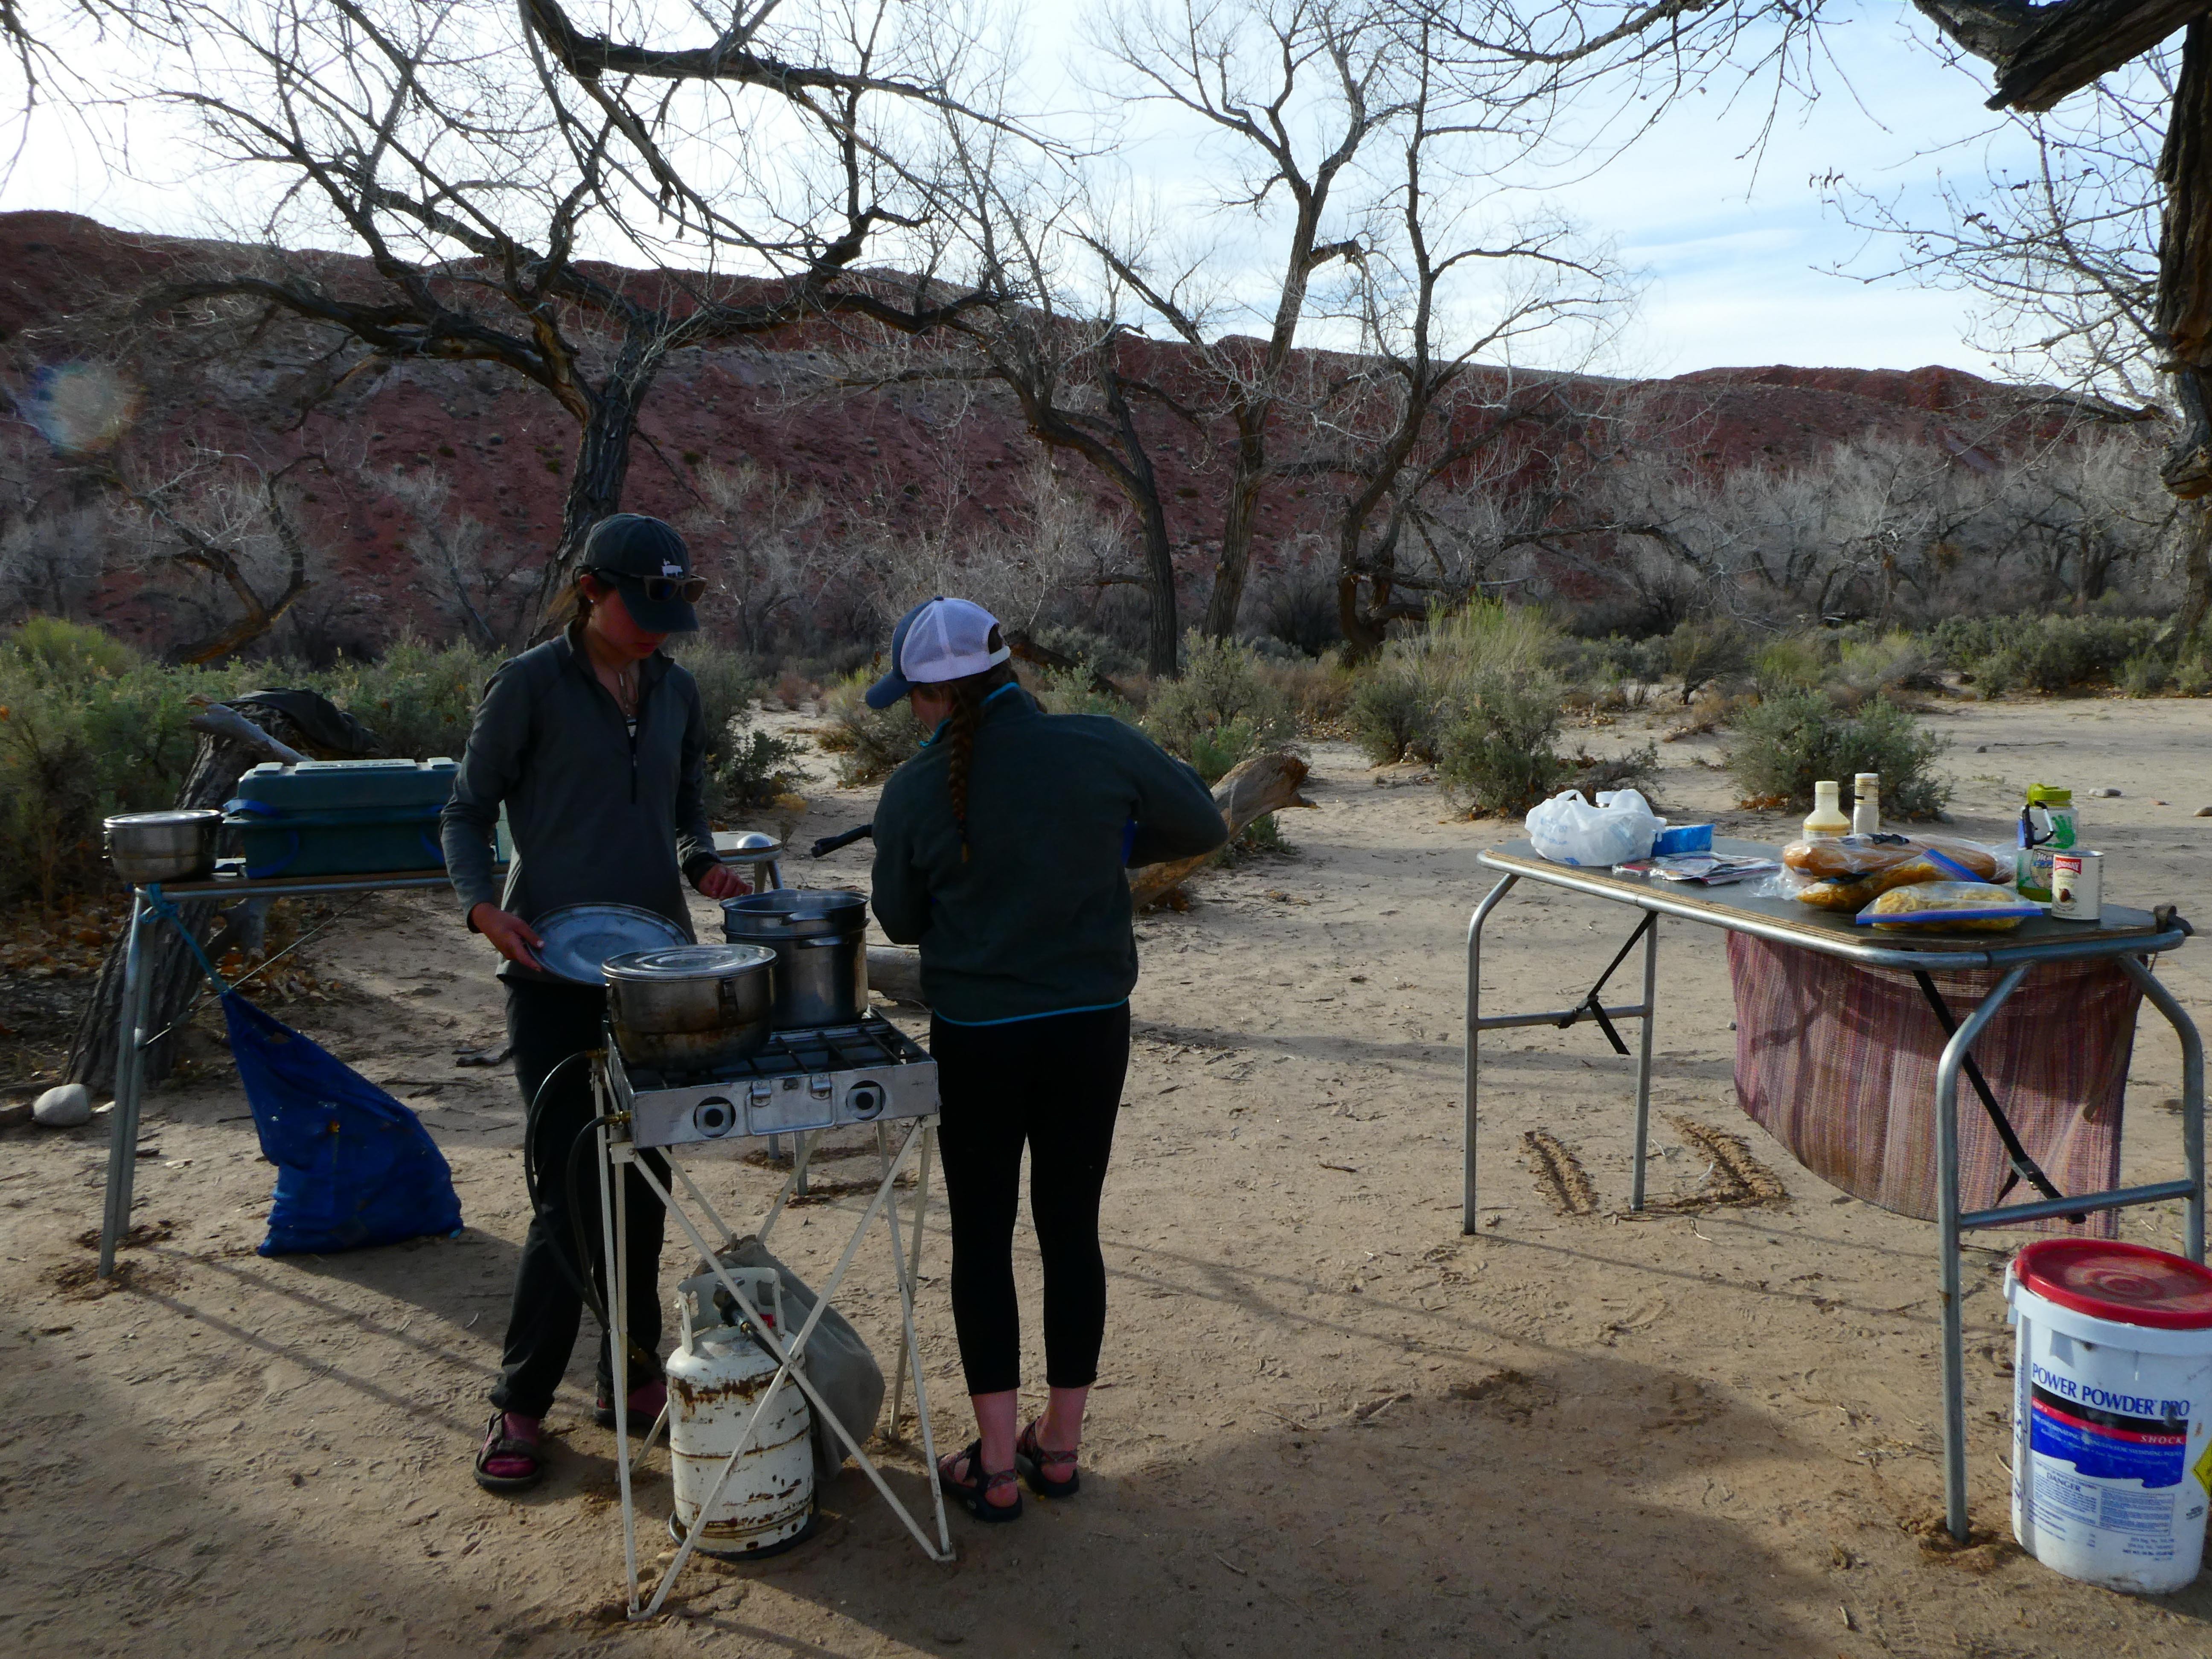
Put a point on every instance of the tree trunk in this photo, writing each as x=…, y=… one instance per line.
x=602, y=459
x=174, y=973
x=2184, y=263
x=1163, y=623
x=2197, y=574
x=1240, y=524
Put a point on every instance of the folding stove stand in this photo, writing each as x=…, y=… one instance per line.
x=2126, y=937
x=616, y=1152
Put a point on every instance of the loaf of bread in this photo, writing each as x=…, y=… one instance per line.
x=1947, y=906
x=1828, y=857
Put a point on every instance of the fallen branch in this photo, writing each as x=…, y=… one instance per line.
x=1264, y=784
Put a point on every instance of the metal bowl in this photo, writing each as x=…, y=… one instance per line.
x=691, y=1007
x=178, y=845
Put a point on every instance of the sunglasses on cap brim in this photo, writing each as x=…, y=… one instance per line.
x=659, y=589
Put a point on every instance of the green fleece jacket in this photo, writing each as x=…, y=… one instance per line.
x=1035, y=920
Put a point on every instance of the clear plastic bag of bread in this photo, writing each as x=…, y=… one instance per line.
x=1949, y=906
x=1848, y=872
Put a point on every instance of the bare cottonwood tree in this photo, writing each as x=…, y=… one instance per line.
x=478, y=157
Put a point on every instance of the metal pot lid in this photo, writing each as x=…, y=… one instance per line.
x=753, y=841
x=579, y=937
x=688, y=962
x=795, y=906
x=177, y=816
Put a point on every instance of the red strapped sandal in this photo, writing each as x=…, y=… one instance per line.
x=1034, y=1460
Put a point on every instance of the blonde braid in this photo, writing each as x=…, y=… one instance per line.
x=968, y=696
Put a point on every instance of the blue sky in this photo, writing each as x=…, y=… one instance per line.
x=1735, y=251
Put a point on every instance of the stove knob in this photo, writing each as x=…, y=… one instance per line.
x=865, y=1100
x=713, y=1117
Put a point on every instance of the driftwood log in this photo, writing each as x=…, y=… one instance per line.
x=1264, y=784
x=230, y=741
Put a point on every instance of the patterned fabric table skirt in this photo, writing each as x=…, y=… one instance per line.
x=1837, y=1062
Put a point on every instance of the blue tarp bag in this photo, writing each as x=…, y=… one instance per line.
x=355, y=1168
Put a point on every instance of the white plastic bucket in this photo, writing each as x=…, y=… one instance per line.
x=2112, y=1470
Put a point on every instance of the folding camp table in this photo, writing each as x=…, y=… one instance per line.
x=2127, y=936
x=151, y=904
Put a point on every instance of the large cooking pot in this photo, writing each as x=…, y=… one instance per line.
x=820, y=939
x=177, y=845
x=691, y=1007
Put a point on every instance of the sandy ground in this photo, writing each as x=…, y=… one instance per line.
x=1329, y=1422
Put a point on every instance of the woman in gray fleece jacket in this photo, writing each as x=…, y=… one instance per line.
x=596, y=743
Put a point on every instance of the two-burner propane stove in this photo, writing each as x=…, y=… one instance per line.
x=802, y=1082
x=815, y=1078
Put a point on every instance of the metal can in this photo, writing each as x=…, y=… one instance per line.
x=2077, y=886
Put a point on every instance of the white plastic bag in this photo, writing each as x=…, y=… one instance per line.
x=1568, y=830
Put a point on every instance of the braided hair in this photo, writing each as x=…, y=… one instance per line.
x=968, y=694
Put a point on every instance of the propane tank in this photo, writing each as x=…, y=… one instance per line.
x=716, y=1378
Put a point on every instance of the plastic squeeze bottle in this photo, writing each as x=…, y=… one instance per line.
x=1866, y=810
x=1826, y=818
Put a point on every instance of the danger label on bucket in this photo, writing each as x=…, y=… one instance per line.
x=2104, y=1444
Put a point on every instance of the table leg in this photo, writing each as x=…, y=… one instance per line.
x=123, y=1117
x=614, y=1236
x=1643, y=1057
x=2192, y=1096
x=1470, y=1061
x=1946, y=1200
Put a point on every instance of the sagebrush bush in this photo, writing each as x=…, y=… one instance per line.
x=1786, y=744
x=1494, y=750
x=1393, y=714
x=750, y=768
x=870, y=744
x=1069, y=691
x=2041, y=652
x=1223, y=710
x=729, y=681
x=417, y=698
x=1700, y=653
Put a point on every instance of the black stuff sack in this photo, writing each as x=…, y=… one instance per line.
x=355, y=1168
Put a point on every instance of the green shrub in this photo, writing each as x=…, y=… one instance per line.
x=2146, y=674
x=1069, y=691
x=1795, y=662
x=1494, y=746
x=871, y=743
x=729, y=681
x=1786, y=744
x=1487, y=638
x=417, y=697
x=1393, y=714
x=1699, y=652
x=1223, y=710
x=750, y=768
x=88, y=727
x=2042, y=653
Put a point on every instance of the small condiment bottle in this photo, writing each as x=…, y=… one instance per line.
x=1826, y=818
x=1866, y=810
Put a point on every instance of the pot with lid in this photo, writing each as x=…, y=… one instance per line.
x=819, y=936
x=691, y=1007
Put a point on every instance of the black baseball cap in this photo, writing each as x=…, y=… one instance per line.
x=649, y=564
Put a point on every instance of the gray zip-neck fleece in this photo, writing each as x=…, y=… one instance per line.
x=598, y=815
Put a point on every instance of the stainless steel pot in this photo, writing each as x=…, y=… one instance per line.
x=178, y=845
x=691, y=1007
x=820, y=941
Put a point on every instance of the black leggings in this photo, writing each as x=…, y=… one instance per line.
x=547, y=1024
x=1054, y=1083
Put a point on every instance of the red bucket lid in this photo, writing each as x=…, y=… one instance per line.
x=2128, y=1284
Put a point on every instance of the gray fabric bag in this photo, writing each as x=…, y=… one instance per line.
x=836, y=1361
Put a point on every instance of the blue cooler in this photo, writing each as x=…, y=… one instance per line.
x=341, y=817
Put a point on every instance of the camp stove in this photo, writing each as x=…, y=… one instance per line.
x=814, y=1078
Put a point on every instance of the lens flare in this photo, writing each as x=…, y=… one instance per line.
x=80, y=408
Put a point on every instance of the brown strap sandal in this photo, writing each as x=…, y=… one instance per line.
x=974, y=1493
x=1036, y=1463
x=523, y=1458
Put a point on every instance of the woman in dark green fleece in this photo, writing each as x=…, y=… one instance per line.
x=1000, y=850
